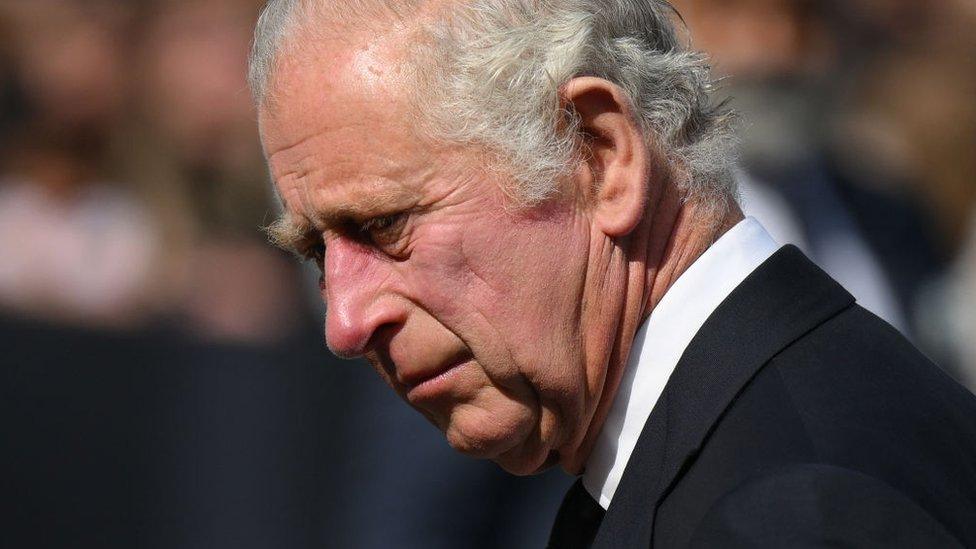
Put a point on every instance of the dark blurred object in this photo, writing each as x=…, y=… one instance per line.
x=149, y=440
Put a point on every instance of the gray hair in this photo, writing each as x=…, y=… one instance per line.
x=493, y=69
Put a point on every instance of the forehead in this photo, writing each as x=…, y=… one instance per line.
x=326, y=83
x=340, y=115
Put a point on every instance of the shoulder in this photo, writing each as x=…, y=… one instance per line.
x=856, y=379
x=853, y=396
x=818, y=505
x=869, y=403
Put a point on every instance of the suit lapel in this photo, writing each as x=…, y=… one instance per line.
x=780, y=301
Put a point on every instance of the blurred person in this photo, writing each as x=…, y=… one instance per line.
x=949, y=312
x=192, y=97
x=192, y=143
x=920, y=92
x=240, y=292
x=11, y=96
x=79, y=245
x=525, y=219
x=909, y=108
x=784, y=60
x=74, y=254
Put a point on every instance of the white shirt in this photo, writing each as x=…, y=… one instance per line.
x=662, y=339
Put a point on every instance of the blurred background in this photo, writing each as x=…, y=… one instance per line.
x=164, y=380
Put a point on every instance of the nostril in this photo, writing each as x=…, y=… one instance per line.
x=382, y=336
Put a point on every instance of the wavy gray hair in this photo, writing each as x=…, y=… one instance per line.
x=492, y=71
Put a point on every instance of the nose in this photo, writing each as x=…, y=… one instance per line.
x=358, y=301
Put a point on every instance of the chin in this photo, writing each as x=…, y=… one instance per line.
x=512, y=443
x=522, y=463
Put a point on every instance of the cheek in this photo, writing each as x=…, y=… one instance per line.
x=444, y=278
x=509, y=288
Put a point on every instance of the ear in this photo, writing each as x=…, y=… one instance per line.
x=614, y=175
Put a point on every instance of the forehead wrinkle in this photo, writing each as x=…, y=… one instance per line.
x=329, y=197
x=361, y=111
x=304, y=158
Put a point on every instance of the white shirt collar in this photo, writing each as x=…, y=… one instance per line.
x=662, y=339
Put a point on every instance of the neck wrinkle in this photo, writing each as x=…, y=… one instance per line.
x=687, y=240
x=635, y=249
x=666, y=242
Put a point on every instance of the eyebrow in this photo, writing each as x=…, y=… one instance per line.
x=297, y=234
x=290, y=234
x=286, y=232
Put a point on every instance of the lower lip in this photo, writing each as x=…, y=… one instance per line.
x=437, y=385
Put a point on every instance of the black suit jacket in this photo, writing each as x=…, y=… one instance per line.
x=795, y=418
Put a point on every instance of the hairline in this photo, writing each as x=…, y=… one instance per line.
x=718, y=193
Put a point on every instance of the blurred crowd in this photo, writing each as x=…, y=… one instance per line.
x=132, y=186
x=133, y=189
x=858, y=144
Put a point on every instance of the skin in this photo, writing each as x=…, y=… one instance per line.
x=508, y=327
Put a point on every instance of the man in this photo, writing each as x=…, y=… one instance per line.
x=524, y=214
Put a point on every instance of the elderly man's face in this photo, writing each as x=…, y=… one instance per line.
x=469, y=307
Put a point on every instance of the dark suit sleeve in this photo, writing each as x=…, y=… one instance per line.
x=814, y=505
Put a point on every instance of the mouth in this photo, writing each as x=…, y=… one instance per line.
x=426, y=387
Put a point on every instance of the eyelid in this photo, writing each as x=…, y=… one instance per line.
x=379, y=231
x=374, y=222
x=385, y=232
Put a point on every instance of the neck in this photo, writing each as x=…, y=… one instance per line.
x=672, y=235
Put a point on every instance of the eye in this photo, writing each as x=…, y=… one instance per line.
x=384, y=232
x=314, y=251
x=317, y=253
x=379, y=224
